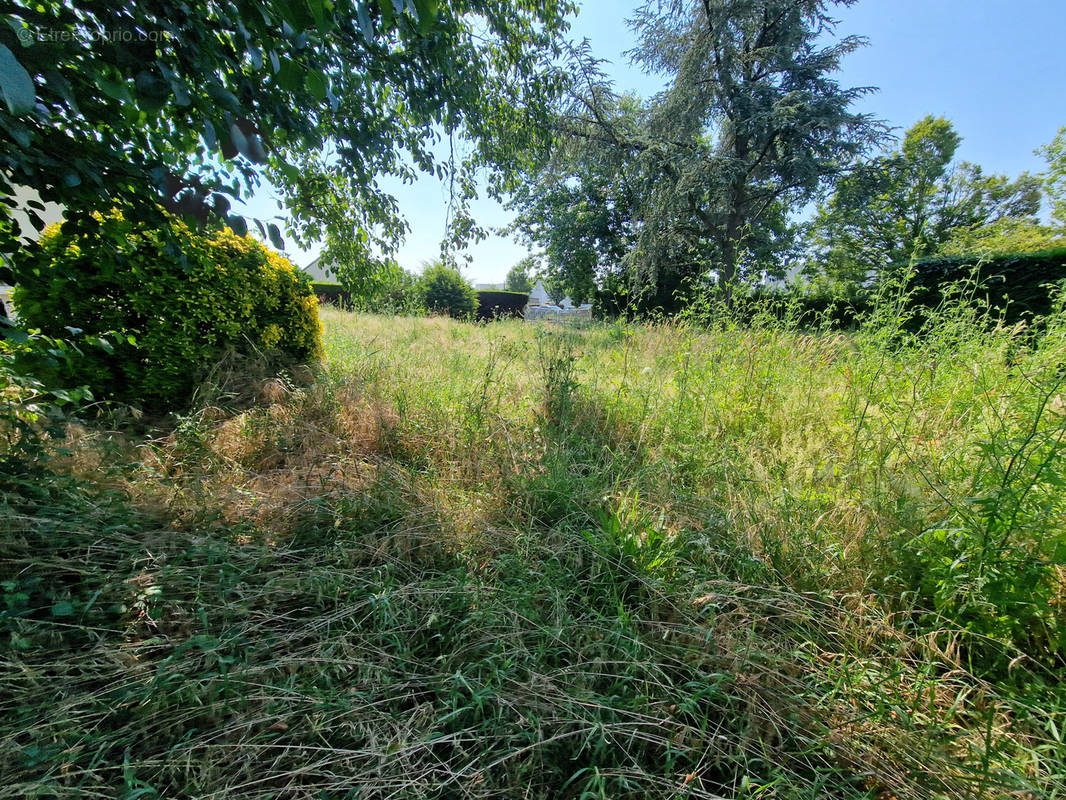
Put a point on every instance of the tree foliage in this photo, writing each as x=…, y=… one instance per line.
x=189, y=105
x=579, y=205
x=1008, y=235
x=444, y=290
x=750, y=128
x=1055, y=176
x=520, y=276
x=911, y=201
x=177, y=300
x=701, y=180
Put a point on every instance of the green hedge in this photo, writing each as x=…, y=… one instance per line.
x=331, y=293
x=808, y=311
x=1019, y=283
x=494, y=305
x=176, y=301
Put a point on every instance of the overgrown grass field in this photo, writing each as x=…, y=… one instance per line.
x=677, y=560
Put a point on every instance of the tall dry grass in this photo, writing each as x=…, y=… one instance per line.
x=661, y=560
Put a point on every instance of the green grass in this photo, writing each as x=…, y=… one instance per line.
x=515, y=560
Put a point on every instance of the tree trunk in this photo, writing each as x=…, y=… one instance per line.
x=731, y=239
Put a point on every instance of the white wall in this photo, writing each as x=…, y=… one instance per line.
x=318, y=272
x=53, y=212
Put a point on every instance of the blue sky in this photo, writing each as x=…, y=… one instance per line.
x=996, y=68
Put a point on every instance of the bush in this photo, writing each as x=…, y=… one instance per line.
x=178, y=301
x=493, y=305
x=444, y=290
x=395, y=291
x=36, y=395
x=384, y=288
x=331, y=293
x=1019, y=283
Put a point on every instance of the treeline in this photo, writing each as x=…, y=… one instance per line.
x=439, y=289
x=910, y=207
x=752, y=172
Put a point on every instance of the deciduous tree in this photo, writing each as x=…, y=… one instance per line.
x=520, y=276
x=578, y=207
x=909, y=202
x=1055, y=176
x=188, y=105
x=702, y=179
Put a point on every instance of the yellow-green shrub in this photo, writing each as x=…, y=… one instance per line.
x=179, y=299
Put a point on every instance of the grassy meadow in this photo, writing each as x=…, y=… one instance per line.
x=676, y=560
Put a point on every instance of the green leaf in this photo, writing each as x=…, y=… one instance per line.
x=62, y=609
x=427, y=13
x=152, y=91
x=224, y=96
x=210, y=138
x=220, y=203
x=62, y=87
x=102, y=343
x=181, y=92
x=20, y=133
x=289, y=171
x=240, y=141
x=255, y=146
x=238, y=224
x=16, y=84
x=290, y=76
x=318, y=11
x=388, y=15
x=317, y=85
x=364, y=22
x=275, y=236
x=256, y=56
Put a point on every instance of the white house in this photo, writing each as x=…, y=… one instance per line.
x=52, y=213
x=318, y=272
x=538, y=296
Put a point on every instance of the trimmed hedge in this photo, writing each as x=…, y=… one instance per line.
x=178, y=301
x=493, y=304
x=808, y=311
x=331, y=293
x=1020, y=283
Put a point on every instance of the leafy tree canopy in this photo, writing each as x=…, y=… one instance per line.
x=579, y=205
x=909, y=202
x=703, y=178
x=555, y=287
x=520, y=276
x=1004, y=236
x=188, y=105
x=1055, y=177
x=752, y=125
